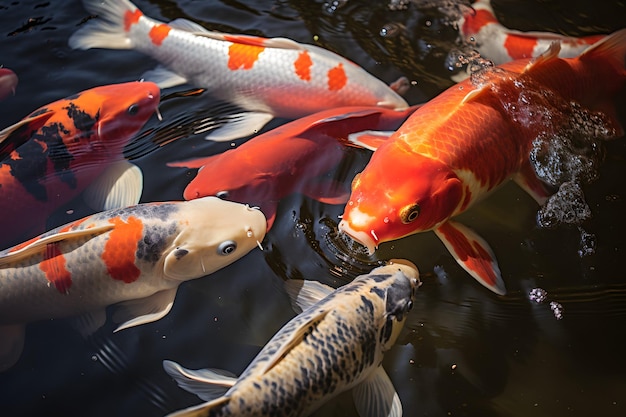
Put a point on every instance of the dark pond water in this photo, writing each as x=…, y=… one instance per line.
x=465, y=352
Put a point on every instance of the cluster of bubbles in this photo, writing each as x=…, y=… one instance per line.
x=569, y=159
x=539, y=296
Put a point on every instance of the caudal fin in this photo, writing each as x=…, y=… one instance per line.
x=108, y=29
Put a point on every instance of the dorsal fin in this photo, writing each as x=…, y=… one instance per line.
x=9, y=137
x=40, y=244
x=295, y=340
x=547, y=55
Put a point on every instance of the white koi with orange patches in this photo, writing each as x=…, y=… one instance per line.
x=275, y=77
x=501, y=44
x=138, y=255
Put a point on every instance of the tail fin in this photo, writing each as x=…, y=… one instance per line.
x=109, y=29
x=611, y=49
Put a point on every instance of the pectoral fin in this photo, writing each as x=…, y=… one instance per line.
x=529, y=182
x=376, y=396
x=304, y=293
x=239, y=125
x=208, y=384
x=119, y=186
x=473, y=253
x=163, y=77
x=144, y=310
x=369, y=139
x=11, y=345
x=326, y=191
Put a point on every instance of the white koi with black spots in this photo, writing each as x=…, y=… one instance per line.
x=336, y=344
x=268, y=77
x=135, y=256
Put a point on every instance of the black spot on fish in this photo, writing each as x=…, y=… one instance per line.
x=369, y=306
x=379, y=292
x=83, y=121
x=38, y=112
x=179, y=253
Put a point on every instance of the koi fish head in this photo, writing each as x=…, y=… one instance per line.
x=213, y=233
x=396, y=283
x=104, y=117
x=400, y=196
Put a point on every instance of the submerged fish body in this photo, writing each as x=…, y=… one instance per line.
x=275, y=77
x=136, y=256
x=335, y=344
x=8, y=83
x=501, y=44
x=61, y=149
x=288, y=159
x=472, y=138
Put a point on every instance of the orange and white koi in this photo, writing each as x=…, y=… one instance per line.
x=8, y=83
x=135, y=257
x=501, y=44
x=288, y=159
x=473, y=137
x=275, y=77
x=70, y=146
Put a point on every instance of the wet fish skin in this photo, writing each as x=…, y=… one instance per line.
x=67, y=147
x=337, y=343
x=136, y=256
x=466, y=142
x=268, y=77
x=501, y=44
x=288, y=159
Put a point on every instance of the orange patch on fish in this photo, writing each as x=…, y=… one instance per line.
x=119, y=251
x=23, y=245
x=158, y=33
x=243, y=56
x=53, y=266
x=303, y=66
x=337, y=78
x=130, y=18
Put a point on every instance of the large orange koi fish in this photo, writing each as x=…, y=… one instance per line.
x=61, y=149
x=472, y=138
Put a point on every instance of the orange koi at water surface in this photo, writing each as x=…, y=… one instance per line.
x=61, y=149
x=472, y=138
x=135, y=257
x=288, y=159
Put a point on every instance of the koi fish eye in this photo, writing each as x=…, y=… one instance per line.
x=222, y=194
x=409, y=213
x=409, y=306
x=133, y=109
x=227, y=247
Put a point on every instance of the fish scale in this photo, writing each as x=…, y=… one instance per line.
x=334, y=345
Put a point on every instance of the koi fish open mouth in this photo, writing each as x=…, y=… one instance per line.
x=369, y=240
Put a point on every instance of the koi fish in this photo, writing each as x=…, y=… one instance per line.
x=336, y=344
x=275, y=77
x=8, y=83
x=500, y=44
x=470, y=139
x=70, y=146
x=288, y=159
x=135, y=257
